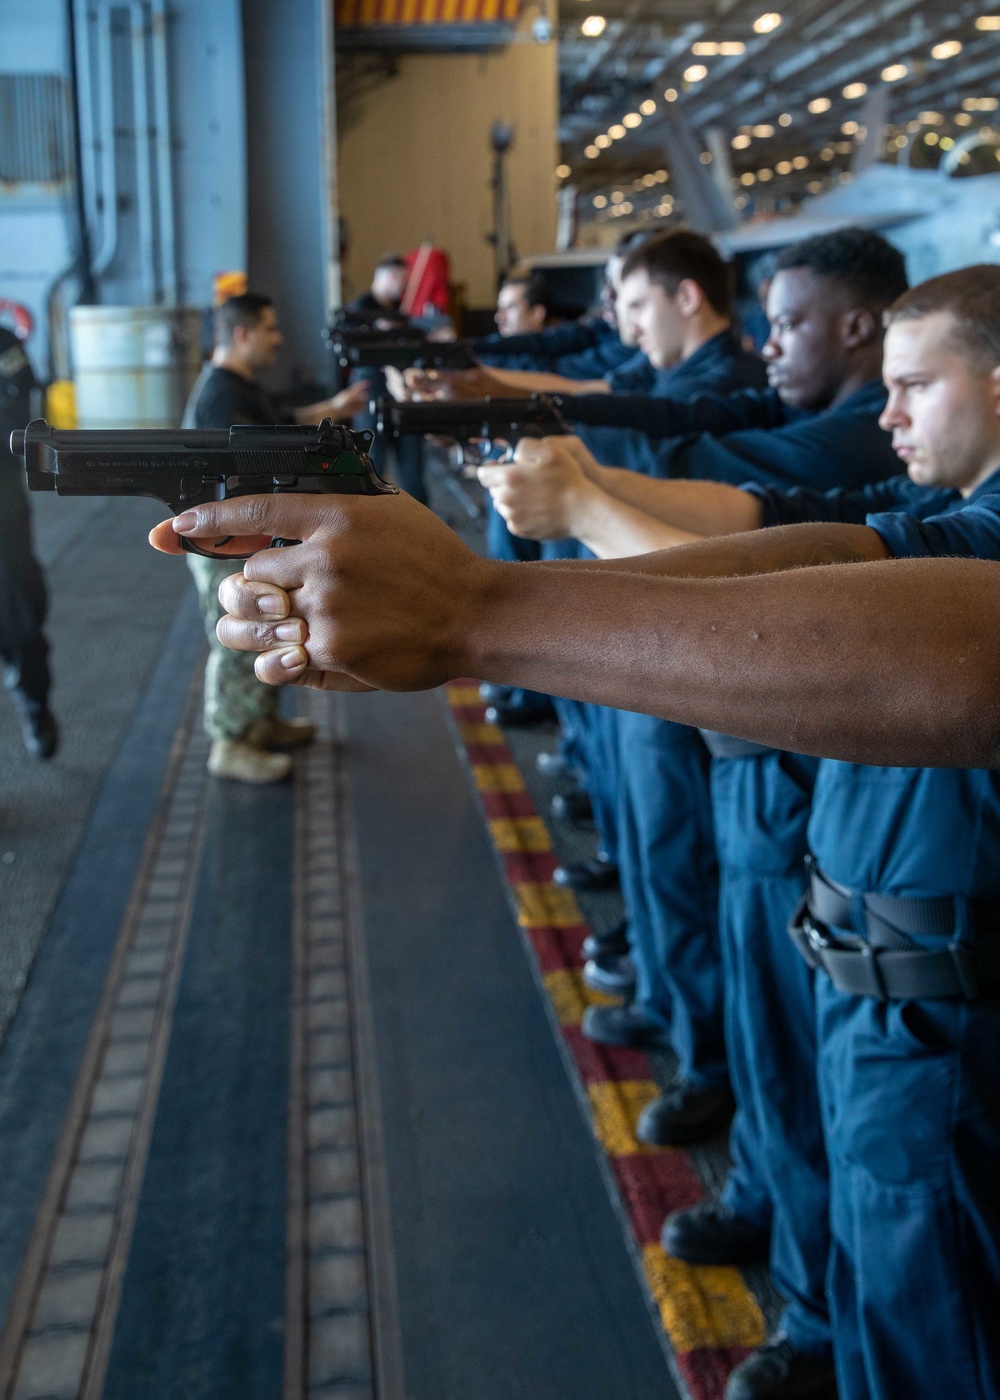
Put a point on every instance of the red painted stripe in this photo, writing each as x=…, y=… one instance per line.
x=557, y=948
x=599, y=1063
x=530, y=867
x=652, y=1185
x=507, y=804
x=490, y=754
x=705, y=1369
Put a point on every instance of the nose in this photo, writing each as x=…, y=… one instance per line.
x=771, y=350
x=892, y=415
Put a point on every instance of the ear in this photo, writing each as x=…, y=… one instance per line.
x=689, y=297
x=995, y=389
x=859, y=327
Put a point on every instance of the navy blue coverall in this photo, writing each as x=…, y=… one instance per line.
x=720, y=366
x=667, y=837
x=909, y=1090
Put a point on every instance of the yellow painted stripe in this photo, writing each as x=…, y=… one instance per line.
x=462, y=694
x=497, y=777
x=513, y=834
x=491, y=10
x=480, y=734
x=470, y=9
x=512, y=10
x=570, y=996
x=449, y=10
x=546, y=906
x=410, y=13
x=703, y=1306
x=616, y=1105
x=369, y=12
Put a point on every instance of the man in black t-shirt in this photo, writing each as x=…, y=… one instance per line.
x=24, y=652
x=241, y=715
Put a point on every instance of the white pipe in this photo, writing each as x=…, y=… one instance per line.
x=109, y=161
x=164, y=154
x=143, y=165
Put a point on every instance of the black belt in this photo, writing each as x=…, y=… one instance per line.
x=725, y=746
x=882, y=960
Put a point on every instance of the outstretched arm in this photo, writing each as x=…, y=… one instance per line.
x=894, y=662
x=555, y=489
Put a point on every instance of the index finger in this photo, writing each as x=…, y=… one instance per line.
x=252, y=519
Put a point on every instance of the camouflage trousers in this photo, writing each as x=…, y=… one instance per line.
x=235, y=699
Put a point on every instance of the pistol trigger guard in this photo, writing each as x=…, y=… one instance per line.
x=190, y=547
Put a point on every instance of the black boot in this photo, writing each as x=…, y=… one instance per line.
x=778, y=1371
x=712, y=1233
x=573, y=807
x=612, y=944
x=684, y=1113
x=592, y=874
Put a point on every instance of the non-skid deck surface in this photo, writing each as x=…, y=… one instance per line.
x=710, y=1316
x=281, y=1111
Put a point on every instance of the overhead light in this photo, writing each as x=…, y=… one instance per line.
x=706, y=157
x=600, y=201
x=765, y=175
x=592, y=152
x=648, y=107
x=894, y=72
x=981, y=104
x=949, y=49
x=748, y=178
x=740, y=143
x=850, y=128
x=931, y=118
x=843, y=148
x=728, y=48
x=631, y=120
x=962, y=119
x=626, y=208
x=562, y=171
x=801, y=162
x=617, y=196
x=616, y=132
x=648, y=181
x=947, y=143
x=785, y=119
x=661, y=176
x=741, y=201
x=671, y=94
x=855, y=90
x=763, y=130
x=593, y=25
x=931, y=138
x=602, y=142
x=988, y=22
x=696, y=73
x=819, y=105
x=814, y=186
x=784, y=167
x=766, y=24
x=827, y=153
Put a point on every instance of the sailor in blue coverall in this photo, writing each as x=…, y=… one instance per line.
x=665, y=816
x=923, y=848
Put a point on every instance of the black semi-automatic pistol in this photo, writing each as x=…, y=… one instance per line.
x=365, y=348
x=188, y=467
x=494, y=422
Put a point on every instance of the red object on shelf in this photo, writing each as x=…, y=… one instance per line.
x=430, y=270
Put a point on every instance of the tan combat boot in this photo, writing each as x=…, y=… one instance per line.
x=243, y=763
x=278, y=733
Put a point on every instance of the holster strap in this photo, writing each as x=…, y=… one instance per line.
x=885, y=963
